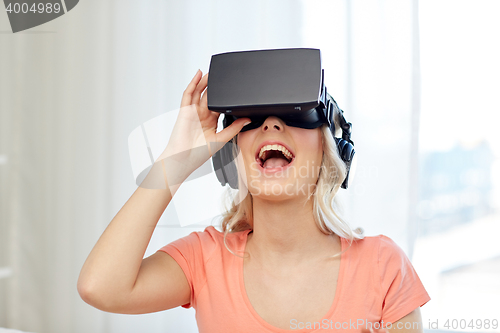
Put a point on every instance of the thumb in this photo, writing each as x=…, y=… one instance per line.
x=229, y=132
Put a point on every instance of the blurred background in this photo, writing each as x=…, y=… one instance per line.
x=419, y=80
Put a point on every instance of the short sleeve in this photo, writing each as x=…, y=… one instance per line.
x=403, y=291
x=192, y=253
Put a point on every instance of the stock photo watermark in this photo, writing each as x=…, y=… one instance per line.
x=364, y=324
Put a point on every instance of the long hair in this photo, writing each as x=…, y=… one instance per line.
x=326, y=206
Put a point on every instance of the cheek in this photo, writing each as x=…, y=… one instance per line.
x=244, y=143
x=244, y=139
x=313, y=145
x=312, y=141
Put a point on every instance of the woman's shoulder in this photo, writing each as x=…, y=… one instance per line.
x=206, y=243
x=211, y=236
x=380, y=246
x=370, y=241
x=216, y=233
x=378, y=256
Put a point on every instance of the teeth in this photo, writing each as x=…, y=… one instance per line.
x=285, y=151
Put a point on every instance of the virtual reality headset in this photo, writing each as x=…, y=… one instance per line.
x=286, y=83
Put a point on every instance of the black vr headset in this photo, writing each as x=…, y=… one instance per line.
x=286, y=83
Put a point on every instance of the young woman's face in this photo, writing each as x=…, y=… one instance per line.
x=280, y=161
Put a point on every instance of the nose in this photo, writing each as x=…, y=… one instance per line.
x=273, y=123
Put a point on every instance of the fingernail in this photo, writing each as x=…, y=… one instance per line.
x=246, y=123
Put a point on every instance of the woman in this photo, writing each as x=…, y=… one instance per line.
x=278, y=266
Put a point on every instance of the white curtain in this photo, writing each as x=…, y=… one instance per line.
x=74, y=88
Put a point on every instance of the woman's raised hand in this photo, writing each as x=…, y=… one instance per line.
x=116, y=278
x=208, y=119
x=194, y=138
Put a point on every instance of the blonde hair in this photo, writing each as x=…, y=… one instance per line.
x=326, y=207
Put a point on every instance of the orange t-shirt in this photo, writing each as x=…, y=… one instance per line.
x=376, y=283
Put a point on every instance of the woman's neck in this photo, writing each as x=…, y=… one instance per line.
x=285, y=233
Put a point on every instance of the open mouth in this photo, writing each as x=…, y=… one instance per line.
x=274, y=156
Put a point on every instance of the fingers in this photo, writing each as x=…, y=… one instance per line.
x=187, y=96
x=229, y=132
x=195, y=99
x=204, y=101
x=204, y=113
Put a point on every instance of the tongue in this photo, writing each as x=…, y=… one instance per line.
x=275, y=162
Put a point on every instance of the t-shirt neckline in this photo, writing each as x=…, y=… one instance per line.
x=327, y=316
